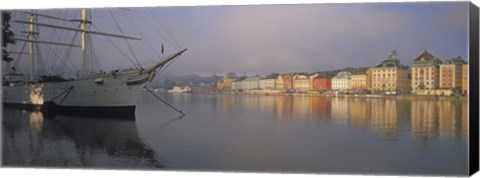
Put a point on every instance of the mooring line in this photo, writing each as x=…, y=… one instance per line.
x=163, y=101
x=68, y=90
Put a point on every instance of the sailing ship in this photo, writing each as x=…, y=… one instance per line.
x=111, y=93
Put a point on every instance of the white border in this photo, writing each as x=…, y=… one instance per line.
x=48, y=4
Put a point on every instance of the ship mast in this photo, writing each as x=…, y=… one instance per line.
x=84, y=21
x=30, y=46
x=83, y=26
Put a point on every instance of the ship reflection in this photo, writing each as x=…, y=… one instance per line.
x=423, y=118
x=31, y=139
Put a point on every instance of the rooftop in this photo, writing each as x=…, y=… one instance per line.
x=455, y=60
x=391, y=61
x=343, y=75
x=426, y=59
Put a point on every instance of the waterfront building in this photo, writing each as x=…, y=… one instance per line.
x=342, y=81
x=390, y=75
x=236, y=85
x=310, y=81
x=267, y=83
x=465, y=78
x=425, y=73
x=279, y=84
x=369, y=78
x=301, y=83
x=226, y=82
x=250, y=83
x=287, y=79
x=451, y=74
x=320, y=83
x=359, y=80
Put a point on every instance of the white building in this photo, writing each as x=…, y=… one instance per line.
x=250, y=83
x=267, y=83
x=342, y=81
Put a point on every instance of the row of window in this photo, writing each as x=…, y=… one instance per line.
x=381, y=85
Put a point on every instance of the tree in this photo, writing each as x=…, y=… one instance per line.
x=7, y=36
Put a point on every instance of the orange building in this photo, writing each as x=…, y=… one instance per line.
x=465, y=79
x=451, y=74
x=321, y=83
x=287, y=79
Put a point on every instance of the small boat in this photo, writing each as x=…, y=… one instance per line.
x=178, y=89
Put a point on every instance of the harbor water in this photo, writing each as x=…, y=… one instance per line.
x=251, y=133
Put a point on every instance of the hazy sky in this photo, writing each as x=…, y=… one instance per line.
x=290, y=38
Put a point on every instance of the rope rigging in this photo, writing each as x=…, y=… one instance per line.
x=121, y=51
x=166, y=103
x=146, y=39
x=157, y=31
x=58, y=59
x=126, y=41
x=166, y=30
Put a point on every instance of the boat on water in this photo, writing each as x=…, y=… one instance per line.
x=177, y=89
x=112, y=93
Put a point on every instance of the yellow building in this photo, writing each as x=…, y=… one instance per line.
x=451, y=74
x=464, y=79
x=226, y=82
x=301, y=83
x=369, y=78
x=425, y=72
x=359, y=80
x=279, y=84
x=390, y=75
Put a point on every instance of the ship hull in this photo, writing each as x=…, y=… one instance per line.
x=104, y=95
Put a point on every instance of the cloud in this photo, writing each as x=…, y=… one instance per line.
x=289, y=38
x=259, y=39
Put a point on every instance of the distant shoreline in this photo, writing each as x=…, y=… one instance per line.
x=399, y=96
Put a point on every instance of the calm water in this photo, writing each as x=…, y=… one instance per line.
x=251, y=133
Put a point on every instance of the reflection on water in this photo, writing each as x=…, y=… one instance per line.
x=252, y=133
x=66, y=141
x=425, y=119
x=315, y=134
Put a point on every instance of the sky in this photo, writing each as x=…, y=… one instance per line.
x=261, y=39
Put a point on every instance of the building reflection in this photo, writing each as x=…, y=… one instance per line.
x=282, y=107
x=446, y=119
x=321, y=107
x=340, y=111
x=358, y=112
x=228, y=103
x=384, y=117
x=464, y=120
x=301, y=108
x=424, y=119
x=448, y=113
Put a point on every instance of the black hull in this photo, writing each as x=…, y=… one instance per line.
x=50, y=110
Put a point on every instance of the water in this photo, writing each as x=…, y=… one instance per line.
x=251, y=133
